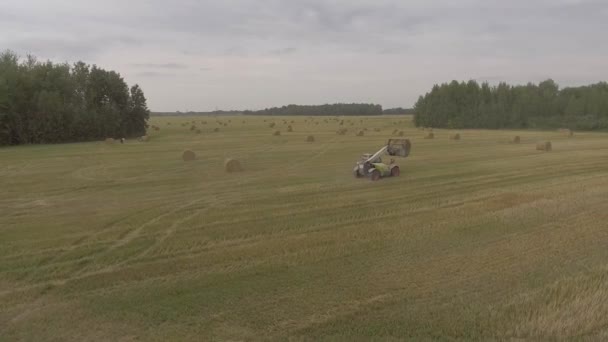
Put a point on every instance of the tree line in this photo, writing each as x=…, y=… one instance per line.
x=543, y=106
x=44, y=102
x=338, y=109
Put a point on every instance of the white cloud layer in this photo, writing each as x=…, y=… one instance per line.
x=202, y=55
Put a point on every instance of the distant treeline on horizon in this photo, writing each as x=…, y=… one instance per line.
x=541, y=106
x=338, y=109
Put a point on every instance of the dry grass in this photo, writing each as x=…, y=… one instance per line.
x=480, y=240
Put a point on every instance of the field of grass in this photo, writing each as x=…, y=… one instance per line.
x=478, y=238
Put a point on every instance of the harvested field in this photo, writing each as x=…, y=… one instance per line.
x=476, y=240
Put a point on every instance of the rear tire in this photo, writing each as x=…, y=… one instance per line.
x=395, y=172
x=375, y=175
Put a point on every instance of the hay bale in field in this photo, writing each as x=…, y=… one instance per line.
x=192, y=128
x=342, y=123
x=204, y=122
x=430, y=135
x=289, y=128
x=401, y=133
x=377, y=130
x=271, y=125
x=455, y=136
x=217, y=129
x=198, y=131
x=544, y=146
x=168, y=124
x=310, y=138
x=360, y=133
x=109, y=141
x=143, y=138
x=276, y=133
x=157, y=129
x=232, y=165
x=188, y=155
x=516, y=139
x=342, y=131
x=292, y=121
x=225, y=125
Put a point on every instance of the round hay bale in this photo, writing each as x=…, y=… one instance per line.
x=431, y=135
x=216, y=129
x=109, y=141
x=455, y=136
x=342, y=123
x=204, y=122
x=544, y=146
x=225, y=125
x=360, y=133
x=289, y=128
x=310, y=138
x=157, y=129
x=401, y=133
x=143, y=138
x=395, y=131
x=271, y=125
x=377, y=130
x=276, y=133
x=516, y=139
x=232, y=165
x=188, y=155
x=342, y=131
x=198, y=131
x=192, y=128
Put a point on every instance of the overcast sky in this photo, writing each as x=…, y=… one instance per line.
x=237, y=54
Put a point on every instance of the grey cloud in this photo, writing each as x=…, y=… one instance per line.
x=151, y=74
x=172, y=66
x=284, y=51
x=350, y=46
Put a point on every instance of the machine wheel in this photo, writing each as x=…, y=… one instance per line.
x=395, y=172
x=375, y=175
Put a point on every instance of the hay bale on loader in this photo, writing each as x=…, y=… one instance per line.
x=430, y=135
x=455, y=136
x=544, y=146
x=310, y=138
x=232, y=165
x=276, y=133
x=188, y=155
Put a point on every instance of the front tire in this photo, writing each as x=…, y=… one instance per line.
x=395, y=172
x=375, y=175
